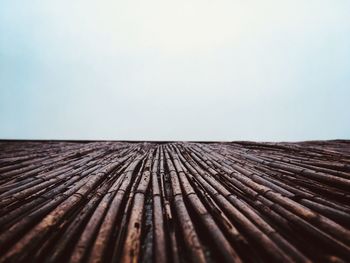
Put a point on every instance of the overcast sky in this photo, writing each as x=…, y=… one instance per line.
x=175, y=70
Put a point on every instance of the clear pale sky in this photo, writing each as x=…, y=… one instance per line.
x=175, y=70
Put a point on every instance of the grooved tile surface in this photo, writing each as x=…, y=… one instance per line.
x=174, y=202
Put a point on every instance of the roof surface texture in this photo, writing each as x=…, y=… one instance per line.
x=174, y=202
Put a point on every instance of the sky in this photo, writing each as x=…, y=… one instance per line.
x=267, y=70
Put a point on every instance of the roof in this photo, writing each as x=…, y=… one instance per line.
x=174, y=201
